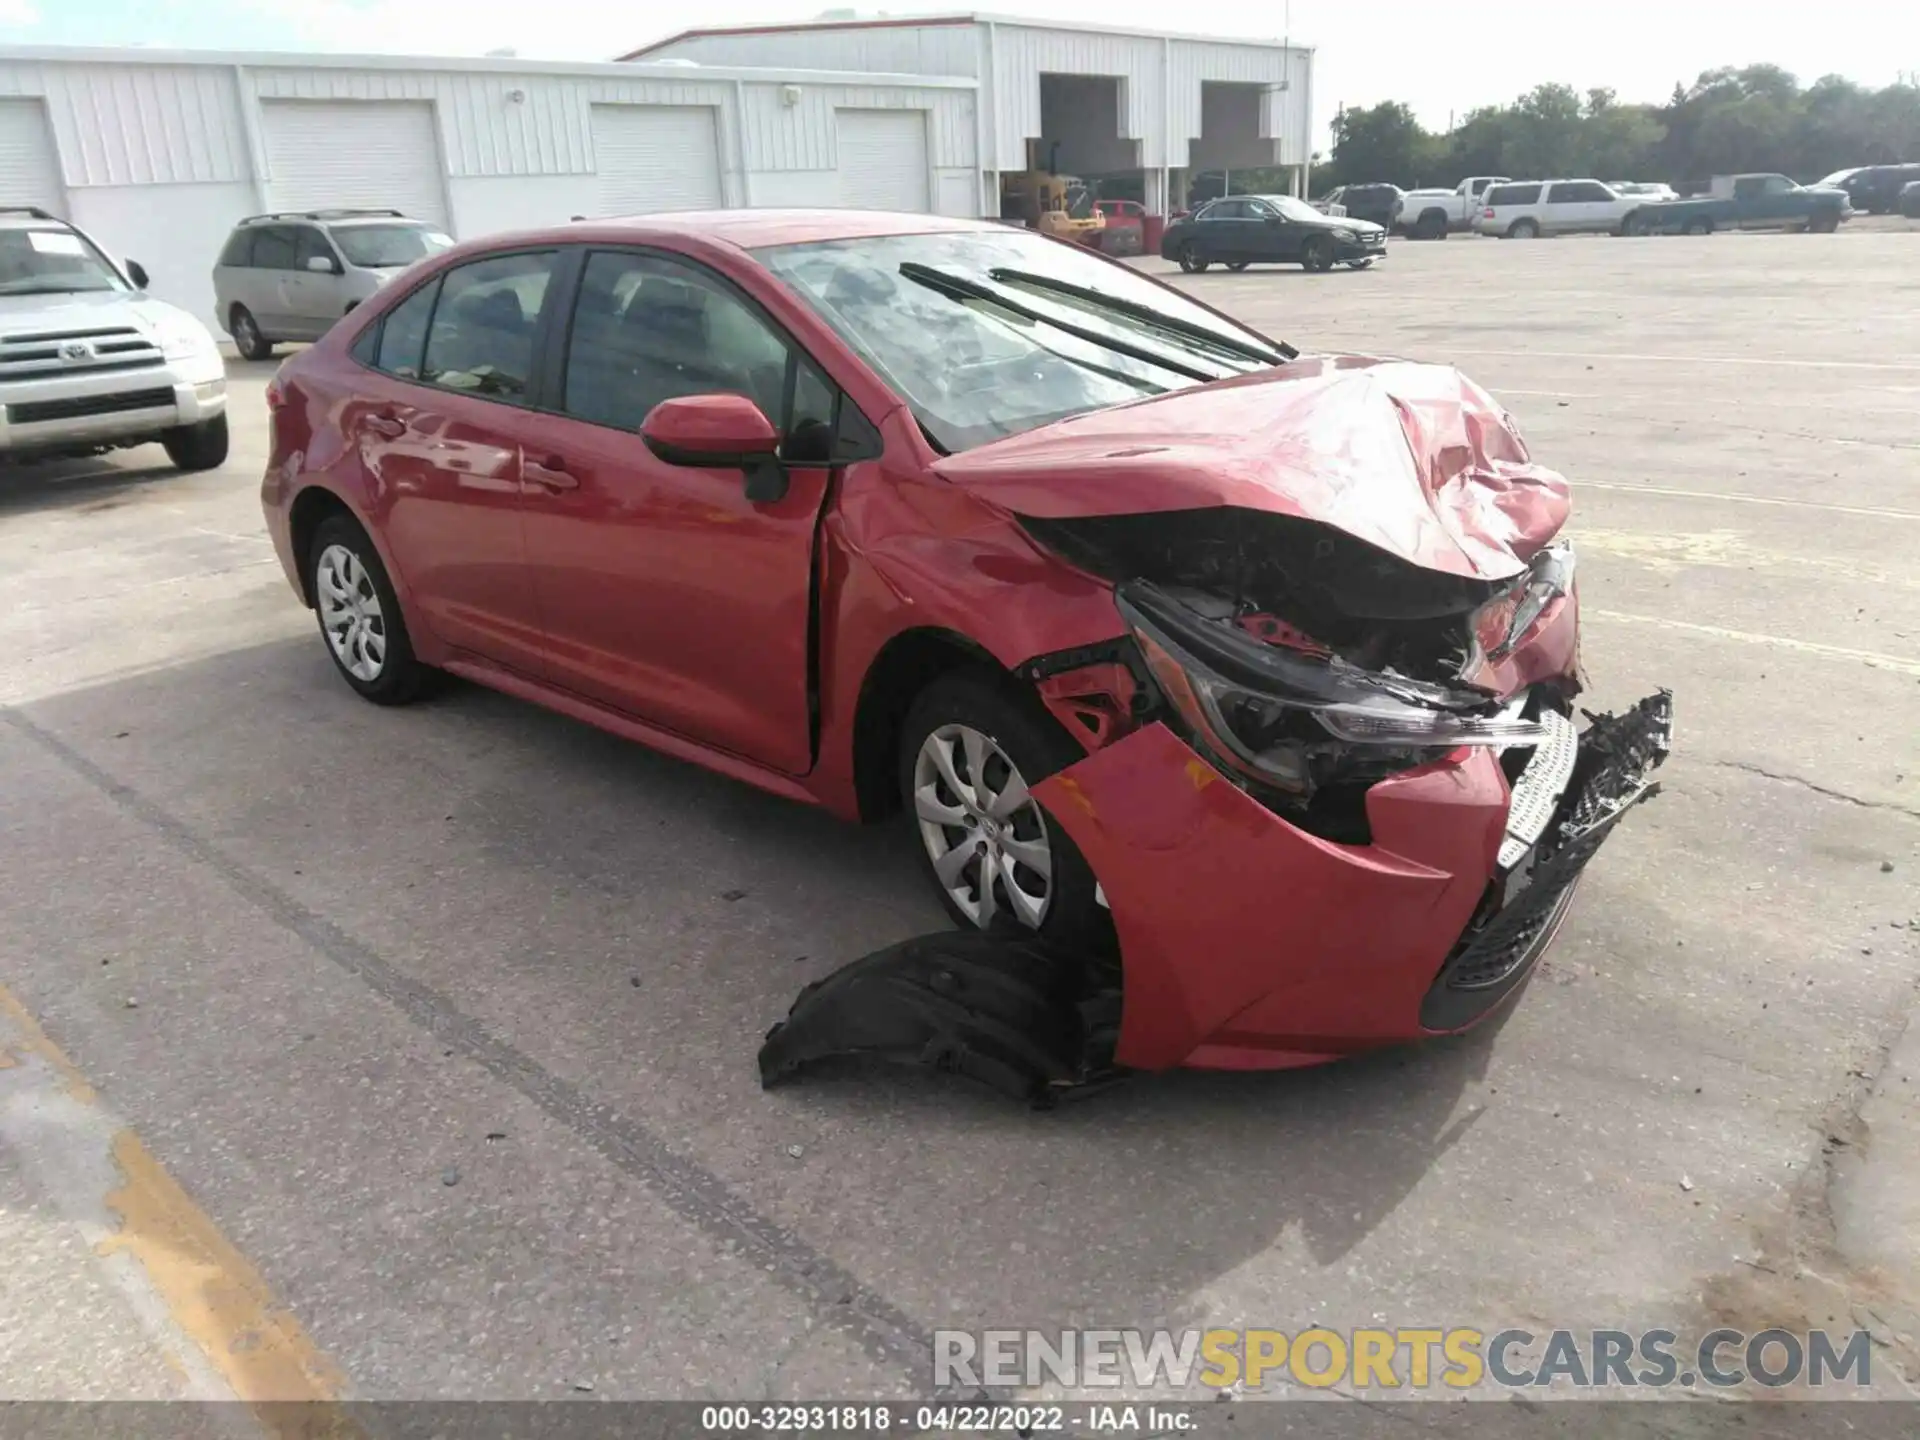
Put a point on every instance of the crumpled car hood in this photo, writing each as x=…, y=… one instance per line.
x=1415, y=459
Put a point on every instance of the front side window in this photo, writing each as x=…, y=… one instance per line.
x=52, y=262
x=481, y=338
x=1289, y=208
x=312, y=245
x=990, y=333
x=647, y=328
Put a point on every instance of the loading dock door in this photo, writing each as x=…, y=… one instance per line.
x=656, y=157
x=324, y=154
x=883, y=159
x=29, y=171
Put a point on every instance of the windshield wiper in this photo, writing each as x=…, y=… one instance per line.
x=1146, y=314
x=961, y=287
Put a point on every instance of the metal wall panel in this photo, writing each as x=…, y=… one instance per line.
x=875, y=49
x=138, y=124
x=801, y=135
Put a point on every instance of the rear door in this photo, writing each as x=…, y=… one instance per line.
x=438, y=426
x=1223, y=231
x=275, y=248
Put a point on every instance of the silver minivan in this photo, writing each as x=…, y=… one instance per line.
x=289, y=276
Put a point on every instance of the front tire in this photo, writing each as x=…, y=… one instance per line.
x=1701, y=226
x=360, y=619
x=1191, y=260
x=1359, y=264
x=247, y=338
x=1317, y=256
x=971, y=747
x=1236, y=266
x=197, y=447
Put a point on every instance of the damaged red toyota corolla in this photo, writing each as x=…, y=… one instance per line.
x=1123, y=603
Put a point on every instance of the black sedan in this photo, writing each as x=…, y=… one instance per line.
x=1242, y=230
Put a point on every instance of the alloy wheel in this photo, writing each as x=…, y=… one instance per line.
x=983, y=831
x=350, y=613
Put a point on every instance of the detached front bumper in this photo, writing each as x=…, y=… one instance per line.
x=1247, y=943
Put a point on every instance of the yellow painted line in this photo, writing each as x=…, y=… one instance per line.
x=1874, y=658
x=1874, y=510
x=210, y=1291
x=40, y=1044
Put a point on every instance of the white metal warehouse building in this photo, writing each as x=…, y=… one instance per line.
x=158, y=153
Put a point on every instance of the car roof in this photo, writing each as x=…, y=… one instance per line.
x=750, y=229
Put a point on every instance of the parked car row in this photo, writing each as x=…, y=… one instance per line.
x=1526, y=210
x=1874, y=189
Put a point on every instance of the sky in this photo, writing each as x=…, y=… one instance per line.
x=1441, y=56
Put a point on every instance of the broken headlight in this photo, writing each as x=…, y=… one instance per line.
x=1503, y=622
x=1294, y=720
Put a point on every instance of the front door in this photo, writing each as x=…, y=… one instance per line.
x=1271, y=235
x=666, y=592
x=438, y=430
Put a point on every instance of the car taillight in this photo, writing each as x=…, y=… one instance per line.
x=1487, y=213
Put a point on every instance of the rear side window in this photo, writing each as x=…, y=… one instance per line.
x=481, y=339
x=403, y=333
x=1513, y=195
x=239, y=249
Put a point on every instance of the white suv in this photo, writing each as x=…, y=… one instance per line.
x=1526, y=210
x=88, y=363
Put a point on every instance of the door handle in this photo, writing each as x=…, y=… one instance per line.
x=386, y=425
x=550, y=475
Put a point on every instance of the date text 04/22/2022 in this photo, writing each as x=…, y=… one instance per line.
x=950, y=1419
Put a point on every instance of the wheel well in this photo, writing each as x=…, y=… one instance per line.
x=311, y=507
x=1432, y=213
x=905, y=666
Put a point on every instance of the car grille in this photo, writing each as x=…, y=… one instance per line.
x=69, y=352
x=33, y=412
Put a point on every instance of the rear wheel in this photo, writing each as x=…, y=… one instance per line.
x=1523, y=230
x=247, y=338
x=970, y=749
x=197, y=447
x=1318, y=254
x=1431, y=226
x=1237, y=265
x=1633, y=224
x=1191, y=260
x=1824, y=224
x=360, y=615
x=1698, y=226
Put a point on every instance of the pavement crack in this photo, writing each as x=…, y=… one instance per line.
x=686, y=1187
x=1822, y=790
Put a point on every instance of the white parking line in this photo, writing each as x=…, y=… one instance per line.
x=1900, y=365
x=1874, y=510
x=1874, y=658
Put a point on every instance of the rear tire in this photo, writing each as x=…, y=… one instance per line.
x=1191, y=260
x=1523, y=230
x=1020, y=739
x=1432, y=225
x=1700, y=226
x=360, y=620
x=1824, y=224
x=247, y=338
x=1317, y=256
x=1237, y=265
x=197, y=447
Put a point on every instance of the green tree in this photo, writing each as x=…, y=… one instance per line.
x=1383, y=142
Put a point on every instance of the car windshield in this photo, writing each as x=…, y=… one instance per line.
x=52, y=262
x=384, y=247
x=986, y=334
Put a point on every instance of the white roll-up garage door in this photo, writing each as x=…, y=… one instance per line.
x=656, y=157
x=325, y=154
x=883, y=159
x=29, y=167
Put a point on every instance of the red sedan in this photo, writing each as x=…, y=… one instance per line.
x=1250, y=668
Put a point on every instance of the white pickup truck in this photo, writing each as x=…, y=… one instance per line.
x=1436, y=214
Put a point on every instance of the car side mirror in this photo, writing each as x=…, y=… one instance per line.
x=137, y=273
x=323, y=265
x=719, y=432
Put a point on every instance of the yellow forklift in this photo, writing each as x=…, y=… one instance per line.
x=1053, y=204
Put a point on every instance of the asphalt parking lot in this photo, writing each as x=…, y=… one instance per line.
x=446, y=1017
